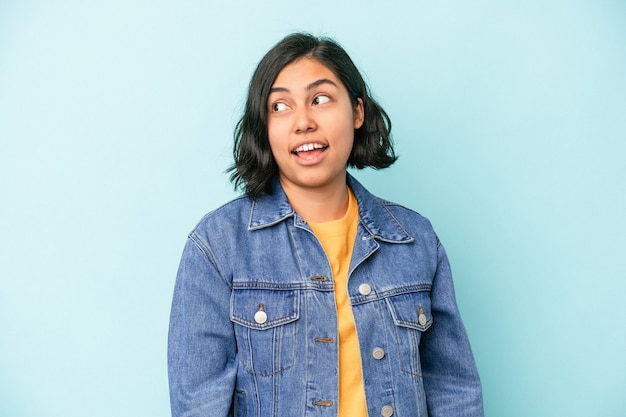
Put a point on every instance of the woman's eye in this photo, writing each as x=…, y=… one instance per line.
x=276, y=107
x=321, y=99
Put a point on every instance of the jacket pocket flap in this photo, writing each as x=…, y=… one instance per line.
x=411, y=310
x=263, y=309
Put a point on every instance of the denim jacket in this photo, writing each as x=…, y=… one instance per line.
x=253, y=329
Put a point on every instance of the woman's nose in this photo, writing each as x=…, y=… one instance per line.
x=304, y=121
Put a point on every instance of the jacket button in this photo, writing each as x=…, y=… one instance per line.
x=260, y=316
x=387, y=411
x=422, y=317
x=365, y=289
x=378, y=353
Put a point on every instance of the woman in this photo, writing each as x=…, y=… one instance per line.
x=308, y=295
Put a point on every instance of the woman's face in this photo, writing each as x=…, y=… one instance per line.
x=310, y=125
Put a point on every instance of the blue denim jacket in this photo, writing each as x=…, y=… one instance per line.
x=253, y=328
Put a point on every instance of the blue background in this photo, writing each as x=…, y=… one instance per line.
x=116, y=122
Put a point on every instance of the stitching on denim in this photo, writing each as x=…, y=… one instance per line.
x=414, y=341
x=411, y=238
x=205, y=249
x=265, y=326
x=279, y=218
x=294, y=249
x=399, y=342
x=246, y=335
x=408, y=323
x=375, y=296
x=414, y=325
x=253, y=372
x=367, y=255
x=290, y=286
x=387, y=345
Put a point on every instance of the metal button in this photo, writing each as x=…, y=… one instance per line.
x=387, y=411
x=422, y=317
x=378, y=353
x=365, y=289
x=260, y=316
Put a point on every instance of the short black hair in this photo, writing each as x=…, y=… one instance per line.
x=254, y=168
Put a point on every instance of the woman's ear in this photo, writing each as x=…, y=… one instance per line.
x=359, y=114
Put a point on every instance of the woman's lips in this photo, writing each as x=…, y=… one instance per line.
x=309, y=147
x=309, y=152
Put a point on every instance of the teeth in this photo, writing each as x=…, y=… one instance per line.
x=309, y=147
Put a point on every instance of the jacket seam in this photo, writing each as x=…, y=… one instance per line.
x=205, y=249
x=390, y=293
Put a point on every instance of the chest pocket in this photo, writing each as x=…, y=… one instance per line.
x=412, y=316
x=265, y=327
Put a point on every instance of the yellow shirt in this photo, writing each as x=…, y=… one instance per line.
x=337, y=238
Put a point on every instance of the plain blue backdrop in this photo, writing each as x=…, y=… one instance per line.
x=116, y=121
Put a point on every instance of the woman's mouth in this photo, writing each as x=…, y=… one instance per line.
x=309, y=151
x=309, y=147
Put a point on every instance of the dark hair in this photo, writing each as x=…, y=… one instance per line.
x=254, y=168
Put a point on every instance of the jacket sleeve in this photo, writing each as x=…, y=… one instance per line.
x=451, y=380
x=201, y=345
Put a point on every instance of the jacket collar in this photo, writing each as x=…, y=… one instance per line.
x=270, y=209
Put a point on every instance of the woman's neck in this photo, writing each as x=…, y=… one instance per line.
x=319, y=205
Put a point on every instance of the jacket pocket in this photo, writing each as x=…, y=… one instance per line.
x=265, y=327
x=412, y=316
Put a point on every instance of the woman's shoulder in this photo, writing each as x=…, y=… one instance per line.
x=230, y=215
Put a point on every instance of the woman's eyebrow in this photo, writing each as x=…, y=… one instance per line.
x=318, y=83
x=307, y=88
x=279, y=90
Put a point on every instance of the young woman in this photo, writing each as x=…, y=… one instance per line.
x=309, y=296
